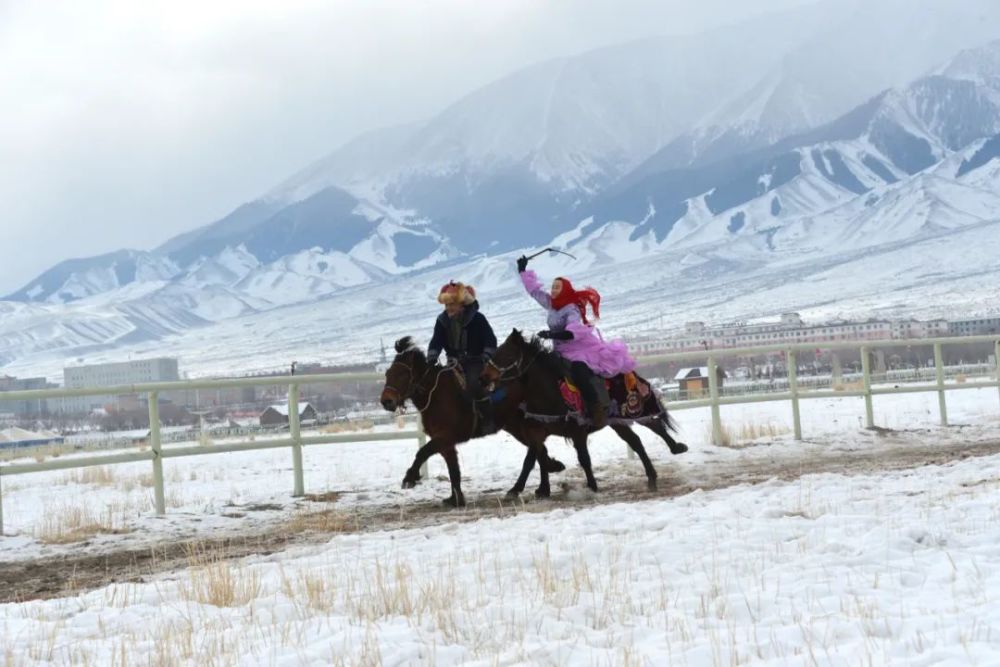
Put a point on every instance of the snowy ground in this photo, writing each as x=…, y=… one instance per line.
x=855, y=565
x=215, y=494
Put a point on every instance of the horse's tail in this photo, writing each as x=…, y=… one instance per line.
x=665, y=417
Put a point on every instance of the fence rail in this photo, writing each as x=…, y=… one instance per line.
x=156, y=454
x=296, y=441
x=795, y=395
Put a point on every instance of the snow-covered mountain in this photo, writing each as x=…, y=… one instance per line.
x=716, y=158
x=863, y=49
x=777, y=193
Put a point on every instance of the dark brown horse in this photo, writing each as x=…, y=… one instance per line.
x=448, y=418
x=538, y=371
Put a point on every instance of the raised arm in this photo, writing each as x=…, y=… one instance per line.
x=533, y=286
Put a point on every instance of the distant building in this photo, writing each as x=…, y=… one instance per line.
x=32, y=408
x=19, y=437
x=277, y=415
x=790, y=329
x=976, y=327
x=118, y=374
x=693, y=382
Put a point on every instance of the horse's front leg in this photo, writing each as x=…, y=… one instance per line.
x=456, y=499
x=517, y=428
x=526, y=468
x=534, y=438
x=543, y=490
x=413, y=473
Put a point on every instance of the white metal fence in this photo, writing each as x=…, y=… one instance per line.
x=795, y=394
x=295, y=440
x=156, y=454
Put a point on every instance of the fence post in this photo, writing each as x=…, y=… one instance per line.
x=1, y=501
x=421, y=441
x=296, y=435
x=713, y=392
x=153, y=398
x=793, y=388
x=996, y=357
x=866, y=370
x=939, y=372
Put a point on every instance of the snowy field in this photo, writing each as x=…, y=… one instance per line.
x=855, y=566
x=206, y=495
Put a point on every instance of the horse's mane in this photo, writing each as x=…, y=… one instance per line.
x=406, y=345
x=547, y=359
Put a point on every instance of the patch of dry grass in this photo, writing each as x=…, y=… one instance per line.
x=326, y=521
x=849, y=386
x=69, y=524
x=747, y=433
x=96, y=475
x=349, y=426
x=215, y=580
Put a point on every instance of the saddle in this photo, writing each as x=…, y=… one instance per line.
x=629, y=399
x=482, y=406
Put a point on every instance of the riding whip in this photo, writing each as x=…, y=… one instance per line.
x=553, y=251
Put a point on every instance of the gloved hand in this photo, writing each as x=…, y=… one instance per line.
x=522, y=264
x=555, y=335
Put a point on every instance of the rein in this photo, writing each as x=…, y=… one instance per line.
x=516, y=366
x=417, y=386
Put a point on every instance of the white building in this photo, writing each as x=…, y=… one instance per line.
x=113, y=375
x=977, y=327
x=788, y=330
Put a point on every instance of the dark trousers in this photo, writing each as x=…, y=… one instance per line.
x=583, y=378
x=472, y=368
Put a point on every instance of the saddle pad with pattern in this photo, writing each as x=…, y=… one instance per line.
x=631, y=400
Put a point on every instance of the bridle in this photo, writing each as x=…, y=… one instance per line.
x=413, y=386
x=516, y=366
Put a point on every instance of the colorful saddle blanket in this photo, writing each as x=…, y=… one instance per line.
x=631, y=400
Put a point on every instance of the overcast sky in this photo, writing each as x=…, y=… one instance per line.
x=124, y=123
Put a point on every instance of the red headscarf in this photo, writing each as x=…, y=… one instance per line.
x=579, y=298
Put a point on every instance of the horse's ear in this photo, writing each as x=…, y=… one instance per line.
x=403, y=344
x=516, y=332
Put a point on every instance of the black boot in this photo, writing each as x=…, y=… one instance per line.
x=484, y=417
x=583, y=379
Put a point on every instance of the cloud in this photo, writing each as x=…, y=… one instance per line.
x=126, y=122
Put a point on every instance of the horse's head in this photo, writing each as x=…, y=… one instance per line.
x=402, y=376
x=507, y=360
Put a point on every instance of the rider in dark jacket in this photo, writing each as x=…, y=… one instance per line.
x=466, y=337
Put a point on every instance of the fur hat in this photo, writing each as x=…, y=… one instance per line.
x=457, y=293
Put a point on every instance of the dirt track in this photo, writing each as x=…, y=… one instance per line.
x=59, y=576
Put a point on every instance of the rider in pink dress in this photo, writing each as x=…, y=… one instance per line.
x=575, y=338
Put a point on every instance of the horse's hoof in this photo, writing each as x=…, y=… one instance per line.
x=542, y=493
x=409, y=483
x=592, y=487
x=555, y=465
x=450, y=502
x=651, y=484
x=678, y=448
x=513, y=493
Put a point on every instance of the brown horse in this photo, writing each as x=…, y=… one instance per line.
x=448, y=418
x=538, y=371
